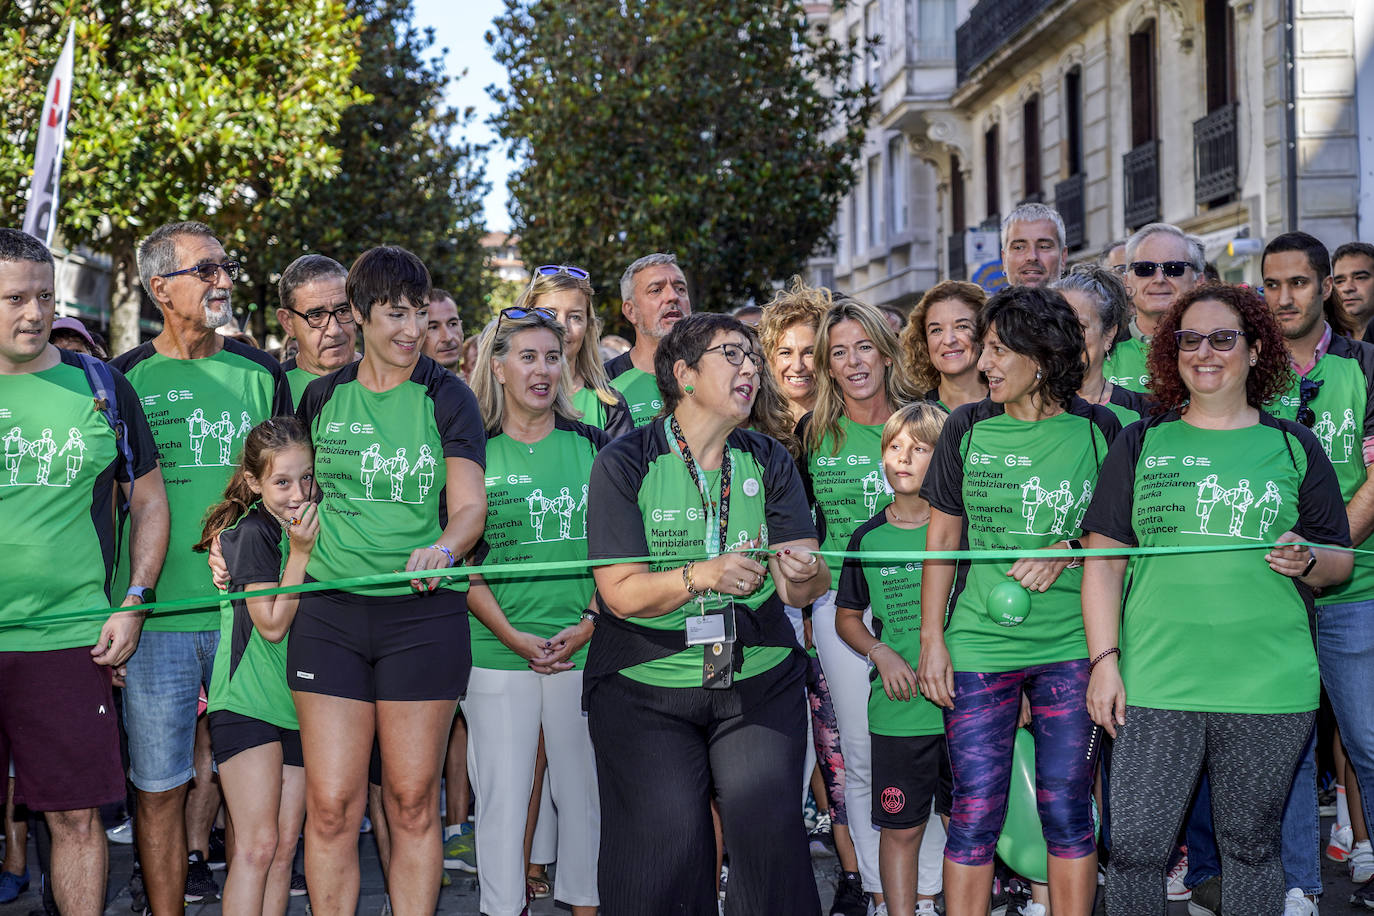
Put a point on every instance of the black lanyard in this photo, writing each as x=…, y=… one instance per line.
x=708, y=506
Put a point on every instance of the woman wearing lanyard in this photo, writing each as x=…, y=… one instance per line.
x=399, y=449
x=529, y=638
x=1230, y=680
x=1015, y=471
x=694, y=681
x=940, y=344
x=567, y=293
x=860, y=383
x=1099, y=299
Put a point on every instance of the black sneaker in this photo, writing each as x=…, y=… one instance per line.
x=297, y=884
x=850, y=899
x=1206, y=899
x=200, y=884
x=214, y=856
x=822, y=837
x=1364, y=895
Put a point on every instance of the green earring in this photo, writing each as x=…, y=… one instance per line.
x=688, y=388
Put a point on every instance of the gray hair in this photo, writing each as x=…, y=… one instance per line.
x=1108, y=248
x=627, y=279
x=157, y=254
x=1029, y=213
x=1104, y=287
x=20, y=246
x=307, y=269
x=1197, y=252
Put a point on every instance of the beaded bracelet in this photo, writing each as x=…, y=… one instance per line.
x=1103, y=654
x=688, y=581
x=452, y=561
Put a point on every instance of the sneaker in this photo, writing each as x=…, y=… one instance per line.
x=1326, y=801
x=1206, y=899
x=138, y=897
x=877, y=909
x=1338, y=847
x=1364, y=895
x=121, y=833
x=850, y=899
x=1298, y=904
x=1361, y=862
x=1176, y=889
x=1009, y=895
x=12, y=885
x=298, y=888
x=460, y=850
x=810, y=812
x=926, y=906
x=200, y=884
x=214, y=856
x=822, y=837
x=1032, y=909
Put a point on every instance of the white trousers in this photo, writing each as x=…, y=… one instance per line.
x=846, y=674
x=505, y=710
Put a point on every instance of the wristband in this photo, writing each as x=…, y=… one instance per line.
x=873, y=648
x=1103, y=654
x=452, y=561
x=590, y=617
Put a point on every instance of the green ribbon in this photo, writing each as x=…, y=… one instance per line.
x=184, y=605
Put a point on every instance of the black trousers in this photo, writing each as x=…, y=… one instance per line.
x=661, y=754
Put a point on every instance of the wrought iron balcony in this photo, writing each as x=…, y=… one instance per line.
x=1215, y=155
x=990, y=25
x=1068, y=200
x=1140, y=169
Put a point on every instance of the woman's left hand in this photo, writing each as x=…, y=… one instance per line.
x=566, y=643
x=427, y=558
x=1288, y=561
x=1038, y=575
x=797, y=564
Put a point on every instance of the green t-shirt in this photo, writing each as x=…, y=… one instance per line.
x=1216, y=632
x=1017, y=484
x=200, y=410
x=297, y=378
x=249, y=677
x=1344, y=411
x=847, y=484
x=893, y=591
x=1126, y=365
x=639, y=387
x=56, y=486
x=380, y=463
x=537, y=513
x=614, y=418
x=643, y=503
x=1127, y=405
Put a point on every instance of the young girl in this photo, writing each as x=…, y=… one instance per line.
x=907, y=731
x=253, y=729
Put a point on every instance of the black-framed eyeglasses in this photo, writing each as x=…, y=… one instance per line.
x=1307, y=393
x=209, y=272
x=734, y=354
x=1221, y=341
x=1145, y=269
x=318, y=318
x=551, y=270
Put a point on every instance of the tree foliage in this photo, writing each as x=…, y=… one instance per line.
x=178, y=110
x=402, y=177
x=726, y=131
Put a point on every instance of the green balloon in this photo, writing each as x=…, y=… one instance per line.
x=1008, y=603
x=1022, y=843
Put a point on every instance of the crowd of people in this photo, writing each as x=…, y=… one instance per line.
x=695, y=586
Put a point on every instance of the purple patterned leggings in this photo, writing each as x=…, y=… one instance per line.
x=826, y=734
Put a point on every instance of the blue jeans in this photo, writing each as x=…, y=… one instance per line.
x=1198, y=834
x=162, y=687
x=1302, y=838
x=1345, y=654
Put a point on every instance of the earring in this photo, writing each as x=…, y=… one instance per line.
x=1037, y=375
x=688, y=388
x=1253, y=360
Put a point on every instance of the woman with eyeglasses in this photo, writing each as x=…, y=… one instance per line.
x=694, y=683
x=1232, y=679
x=1099, y=299
x=1015, y=471
x=940, y=344
x=567, y=292
x=529, y=640
x=399, y=452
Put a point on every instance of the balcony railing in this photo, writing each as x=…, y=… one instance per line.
x=1140, y=169
x=1215, y=155
x=990, y=25
x=957, y=270
x=1068, y=200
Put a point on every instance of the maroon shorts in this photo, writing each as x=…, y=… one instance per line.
x=57, y=720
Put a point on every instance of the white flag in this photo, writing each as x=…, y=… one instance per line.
x=52, y=134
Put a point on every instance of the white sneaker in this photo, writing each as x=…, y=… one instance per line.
x=122, y=832
x=1361, y=862
x=1342, y=838
x=1176, y=889
x=1298, y=904
x=925, y=906
x=877, y=909
x=1032, y=909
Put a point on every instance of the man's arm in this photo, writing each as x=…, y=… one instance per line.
x=149, y=527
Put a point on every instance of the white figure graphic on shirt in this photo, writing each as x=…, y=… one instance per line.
x=424, y=470
x=371, y=464
x=582, y=508
x=224, y=431
x=397, y=466
x=1239, y=500
x=1325, y=431
x=1347, y=434
x=1269, y=505
x=200, y=428
x=563, y=505
x=75, y=450
x=16, y=446
x=539, y=507
x=245, y=425
x=1061, y=500
x=1032, y=497
x=43, y=448
x=1209, y=493
x=874, y=486
x=1080, y=508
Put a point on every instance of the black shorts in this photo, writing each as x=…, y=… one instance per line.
x=232, y=733
x=908, y=774
x=394, y=647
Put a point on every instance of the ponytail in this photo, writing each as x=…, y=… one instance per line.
x=263, y=442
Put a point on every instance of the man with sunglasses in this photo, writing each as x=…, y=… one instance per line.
x=1332, y=390
x=654, y=291
x=1162, y=262
x=314, y=310
x=185, y=368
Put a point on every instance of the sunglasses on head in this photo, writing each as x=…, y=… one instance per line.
x=1307, y=393
x=516, y=313
x=1145, y=269
x=550, y=270
x=1222, y=340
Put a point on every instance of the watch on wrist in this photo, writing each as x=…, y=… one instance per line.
x=144, y=593
x=1075, y=544
x=1311, y=563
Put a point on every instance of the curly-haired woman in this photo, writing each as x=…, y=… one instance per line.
x=940, y=345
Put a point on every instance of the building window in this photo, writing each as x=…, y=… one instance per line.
x=1030, y=134
x=897, y=195
x=992, y=202
x=956, y=194
x=1220, y=25
x=935, y=22
x=1143, y=85
x=875, y=201
x=873, y=63
x=1073, y=121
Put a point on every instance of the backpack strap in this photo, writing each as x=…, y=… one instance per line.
x=101, y=380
